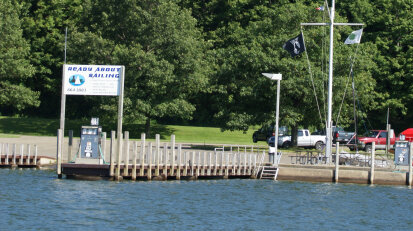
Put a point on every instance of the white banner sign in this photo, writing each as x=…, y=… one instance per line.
x=91, y=79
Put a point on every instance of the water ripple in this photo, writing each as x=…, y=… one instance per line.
x=36, y=199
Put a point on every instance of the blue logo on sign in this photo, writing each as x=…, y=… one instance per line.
x=76, y=80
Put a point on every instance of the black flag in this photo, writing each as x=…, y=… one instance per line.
x=295, y=45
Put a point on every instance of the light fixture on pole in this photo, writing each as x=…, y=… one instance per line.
x=277, y=77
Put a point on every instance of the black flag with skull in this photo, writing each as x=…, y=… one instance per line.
x=295, y=45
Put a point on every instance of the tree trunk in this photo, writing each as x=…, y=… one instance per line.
x=148, y=127
x=294, y=131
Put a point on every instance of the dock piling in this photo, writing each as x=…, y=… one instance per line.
x=7, y=153
x=69, y=147
x=126, y=160
x=35, y=154
x=158, y=155
x=337, y=161
x=373, y=150
x=119, y=156
x=172, y=154
x=28, y=155
x=14, y=154
x=112, y=153
x=103, y=149
x=410, y=164
x=178, y=173
x=142, y=156
x=165, y=153
x=135, y=154
x=150, y=153
x=21, y=153
x=59, y=153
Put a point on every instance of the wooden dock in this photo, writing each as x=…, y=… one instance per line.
x=13, y=155
x=141, y=160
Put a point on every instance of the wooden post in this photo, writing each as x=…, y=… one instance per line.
x=209, y=164
x=126, y=160
x=410, y=163
x=216, y=163
x=192, y=160
x=239, y=163
x=185, y=164
x=221, y=169
x=250, y=164
x=70, y=145
x=135, y=154
x=7, y=153
x=226, y=165
x=14, y=154
x=142, y=158
x=150, y=153
x=21, y=153
x=120, y=117
x=388, y=128
x=203, y=163
x=28, y=155
x=103, y=147
x=35, y=154
x=158, y=155
x=255, y=161
x=373, y=151
x=165, y=153
x=198, y=161
x=59, y=154
x=245, y=161
x=119, y=156
x=178, y=173
x=173, y=154
x=234, y=166
x=112, y=154
x=337, y=161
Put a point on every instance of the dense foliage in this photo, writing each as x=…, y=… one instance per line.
x=200, y=62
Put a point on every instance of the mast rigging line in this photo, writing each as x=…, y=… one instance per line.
x=352, y=60
x=311, y=77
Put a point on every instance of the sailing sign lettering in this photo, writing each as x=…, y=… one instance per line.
x=92, y=79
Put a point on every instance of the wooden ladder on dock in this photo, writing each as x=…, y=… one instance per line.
x=271, y=172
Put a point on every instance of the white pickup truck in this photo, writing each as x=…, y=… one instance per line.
x=304, y=139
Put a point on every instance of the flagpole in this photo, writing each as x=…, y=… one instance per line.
x=330, y=75
x=330, y=85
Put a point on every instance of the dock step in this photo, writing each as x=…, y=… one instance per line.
x=269, y=172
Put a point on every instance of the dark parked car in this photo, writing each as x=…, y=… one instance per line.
x=263, y=133
x=266, y=131
x=341, y=136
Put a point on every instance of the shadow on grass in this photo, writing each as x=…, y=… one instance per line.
x=48, y=127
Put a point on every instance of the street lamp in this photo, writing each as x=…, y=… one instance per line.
x=277, y=77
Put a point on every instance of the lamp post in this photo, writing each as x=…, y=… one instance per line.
x=277, y=77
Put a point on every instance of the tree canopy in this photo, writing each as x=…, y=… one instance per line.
x=200, y=62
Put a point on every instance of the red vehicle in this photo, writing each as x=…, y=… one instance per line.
x=377, y=136
x=408, y=134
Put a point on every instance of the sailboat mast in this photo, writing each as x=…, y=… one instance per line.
x=329, y=137
x=330, y=85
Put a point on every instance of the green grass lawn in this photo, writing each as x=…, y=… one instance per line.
x=12, y=126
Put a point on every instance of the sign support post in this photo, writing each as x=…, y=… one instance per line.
x=104, y=80
x=120, y=116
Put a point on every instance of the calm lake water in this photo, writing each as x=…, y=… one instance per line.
x=37, y=200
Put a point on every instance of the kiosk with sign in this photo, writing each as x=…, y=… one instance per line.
x=401, y=152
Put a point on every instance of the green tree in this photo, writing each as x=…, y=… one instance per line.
x=389, y=26
x=161, y=48
x=251, y=43
x=15, y=67
x=44, y=24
